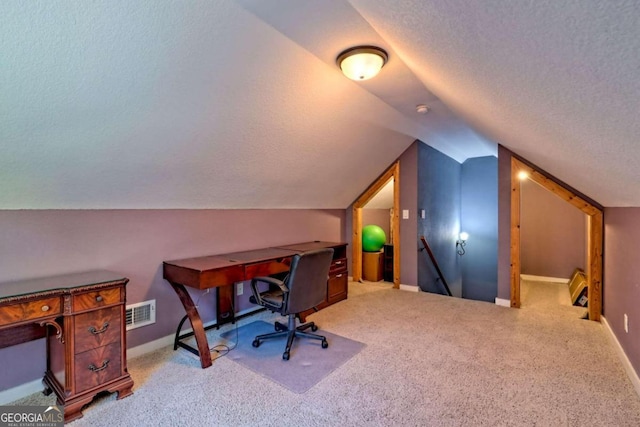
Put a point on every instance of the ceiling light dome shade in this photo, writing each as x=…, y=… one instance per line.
x=362, y=62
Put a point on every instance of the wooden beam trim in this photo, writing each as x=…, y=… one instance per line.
x=515, y=234
x=594, y=270
x=356, y=262
x=557, y=189
x=377, y=186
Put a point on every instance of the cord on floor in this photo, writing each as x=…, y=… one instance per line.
x=221, y=350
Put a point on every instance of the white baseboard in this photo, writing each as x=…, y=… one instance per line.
x=142, y=349
x=628, y=367
x=24, y=390
x=544, y=278
x=503, y=302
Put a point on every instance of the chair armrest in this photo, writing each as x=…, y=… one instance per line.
x=269, y=280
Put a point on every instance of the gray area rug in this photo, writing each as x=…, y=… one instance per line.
x=309, y=362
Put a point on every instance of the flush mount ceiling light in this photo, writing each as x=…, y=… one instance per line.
x=362, y=62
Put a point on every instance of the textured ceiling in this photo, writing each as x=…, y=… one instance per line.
x=555, y=81
x=239, y=104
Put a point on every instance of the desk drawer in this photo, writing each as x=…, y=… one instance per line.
x=218, y=277
x=267, y=268
x=32, y=310
x=96, y=299
x=337, y=288
x=337, y=266
x=97, y=328
x=96, y=367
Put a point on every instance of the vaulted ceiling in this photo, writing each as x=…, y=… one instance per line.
x=239, y=104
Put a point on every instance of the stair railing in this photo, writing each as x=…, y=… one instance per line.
x=435, y=264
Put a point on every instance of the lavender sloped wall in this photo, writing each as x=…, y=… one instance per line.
x=35, y=243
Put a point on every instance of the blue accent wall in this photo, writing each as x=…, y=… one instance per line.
x=439, y=178
x=479, y=218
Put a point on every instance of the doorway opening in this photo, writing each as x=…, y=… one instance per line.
x=520, y=171
x=392, y=174
x=553, y=248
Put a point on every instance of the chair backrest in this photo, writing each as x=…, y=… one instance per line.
x=307, y=280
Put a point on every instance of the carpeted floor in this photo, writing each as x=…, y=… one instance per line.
x=552, y=298
x=429, y=360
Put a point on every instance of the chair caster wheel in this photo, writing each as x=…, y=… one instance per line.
x=278, y=327
x=285, y=355
x=325, y=344
x=314, y=328
x=255, y=343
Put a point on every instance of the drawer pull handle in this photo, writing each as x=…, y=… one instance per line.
x=338, y=262
x=95, y=331
x=45, y=308
x=93, y=367
x=99, y=298
x=339, y=275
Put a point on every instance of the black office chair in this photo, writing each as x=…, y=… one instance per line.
x=304, y=288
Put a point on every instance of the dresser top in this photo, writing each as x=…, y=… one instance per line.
x=58, y=284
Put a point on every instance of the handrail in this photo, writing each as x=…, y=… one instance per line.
x=435, y=264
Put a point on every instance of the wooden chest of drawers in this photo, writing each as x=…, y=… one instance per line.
x=338, y=280
x=82, y=317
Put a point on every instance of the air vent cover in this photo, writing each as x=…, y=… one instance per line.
x=141, y=314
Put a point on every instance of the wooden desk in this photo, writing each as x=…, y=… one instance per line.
x=337, y=284
x=82, y=317
x=224, y=270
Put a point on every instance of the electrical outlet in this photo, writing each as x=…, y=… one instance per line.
x=626, y=323
x=239, y=288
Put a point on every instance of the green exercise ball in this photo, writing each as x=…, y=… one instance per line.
x=373, y=238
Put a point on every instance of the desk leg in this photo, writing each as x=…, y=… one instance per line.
x=196, y=324
x=224, y=308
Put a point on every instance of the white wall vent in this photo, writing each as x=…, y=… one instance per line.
x=141, y=314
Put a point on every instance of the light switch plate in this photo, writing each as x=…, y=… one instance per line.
x=405, y=214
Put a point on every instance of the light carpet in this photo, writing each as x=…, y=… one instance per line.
x=429, y=360
x=309, y=362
